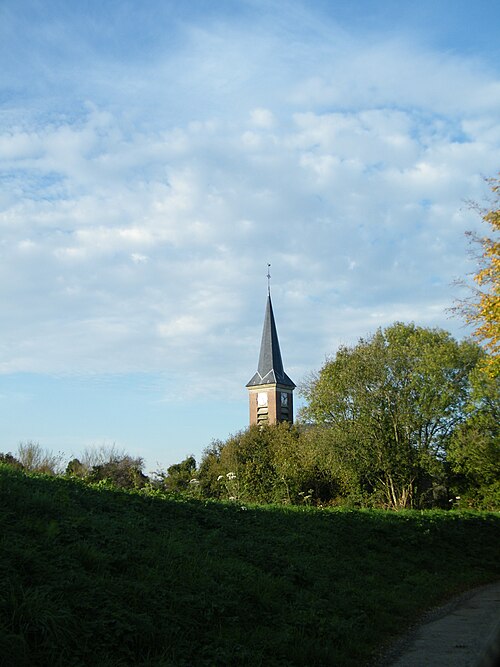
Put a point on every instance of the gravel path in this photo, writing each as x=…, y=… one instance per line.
x=465, y=632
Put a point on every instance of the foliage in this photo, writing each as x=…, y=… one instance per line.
x=11, y=460
x=110, y=465
x=124, y=473
x=35, y=458
x=246, y=458
x=389, y=406
x=485, y=497
x=103, y=577
x=474, y=451
x=179, y=477
x=483, y=309
x=404, y=418
x=265, y=464
x=76, y=468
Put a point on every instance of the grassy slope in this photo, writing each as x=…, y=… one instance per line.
x=96, y=577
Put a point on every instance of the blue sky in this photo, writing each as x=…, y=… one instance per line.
x=154, y=157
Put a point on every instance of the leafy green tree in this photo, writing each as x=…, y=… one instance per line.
x=338, y=475
x=247, y=465
x=11, y=460
x=289, y=462
x=474, y=451
x=125, y=472
x=76, y=469
x=178, y=477
x=278, y=463
x=390, y=405
x=210, y=471
x=109, y=463
x=302, y=467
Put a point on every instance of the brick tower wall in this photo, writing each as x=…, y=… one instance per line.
x=273, y=412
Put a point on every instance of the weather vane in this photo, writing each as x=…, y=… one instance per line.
x=268, y=280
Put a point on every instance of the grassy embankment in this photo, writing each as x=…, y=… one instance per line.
x=98, y=577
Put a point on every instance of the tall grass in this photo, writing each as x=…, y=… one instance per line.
x=92, y=576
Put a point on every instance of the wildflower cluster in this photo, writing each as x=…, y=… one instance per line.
x=306, y=498
x=229, y=480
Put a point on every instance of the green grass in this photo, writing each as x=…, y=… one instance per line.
x=99, y=577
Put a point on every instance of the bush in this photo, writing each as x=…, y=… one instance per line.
x=178, y=478
x=34, y=458
x=271, y=464
x=125, y=473
x=10, y=460
x=486, y=497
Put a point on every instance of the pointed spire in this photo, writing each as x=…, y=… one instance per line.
x=270, y=369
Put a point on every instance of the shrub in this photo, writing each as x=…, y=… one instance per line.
x=35, y=458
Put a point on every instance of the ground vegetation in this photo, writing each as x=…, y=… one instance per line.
x=92, y=574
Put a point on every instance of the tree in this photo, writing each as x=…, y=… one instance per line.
x=107, y=462
x=474, y=451
x=244, y=466
x=125, y=472
x=99, y=455
x=280, y=463
x=9, y=459
x=178, y=477
x=35, y=458
x=389, y=406
x=76, y=469
x=483, y=308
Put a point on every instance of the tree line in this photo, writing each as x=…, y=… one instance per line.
x=407, y=417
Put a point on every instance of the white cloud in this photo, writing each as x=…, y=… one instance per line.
x=137, y=258
x=390, y=73
x=135, y=234
x=262, y=118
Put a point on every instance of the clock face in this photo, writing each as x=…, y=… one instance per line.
x=284, y=400
x=261, y=399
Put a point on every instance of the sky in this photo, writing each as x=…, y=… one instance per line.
x=156, y=156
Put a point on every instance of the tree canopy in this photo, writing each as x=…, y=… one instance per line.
x=390, y=405
x=483, y=308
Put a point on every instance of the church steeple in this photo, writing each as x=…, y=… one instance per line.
x=270, y=389
x=270, y=369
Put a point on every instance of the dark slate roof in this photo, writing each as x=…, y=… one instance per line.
x=270, y=370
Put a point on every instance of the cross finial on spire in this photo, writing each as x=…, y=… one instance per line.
x=268, y=280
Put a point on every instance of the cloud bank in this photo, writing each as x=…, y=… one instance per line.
x=149, y=177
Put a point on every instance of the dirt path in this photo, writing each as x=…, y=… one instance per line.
x=465, y=632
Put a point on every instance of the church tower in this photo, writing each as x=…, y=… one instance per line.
x=270, y=389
